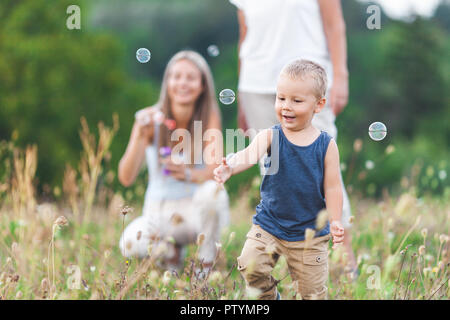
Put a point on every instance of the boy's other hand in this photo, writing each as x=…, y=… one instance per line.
x=337, y=232
x=223, y=172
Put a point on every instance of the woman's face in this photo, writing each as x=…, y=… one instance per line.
x=184, y=84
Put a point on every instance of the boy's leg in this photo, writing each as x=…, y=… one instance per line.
x=308, y=267
x=256, y=262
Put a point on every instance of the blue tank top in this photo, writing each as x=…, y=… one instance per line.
x=292, y=197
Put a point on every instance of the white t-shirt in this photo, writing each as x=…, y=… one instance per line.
x=279, y=31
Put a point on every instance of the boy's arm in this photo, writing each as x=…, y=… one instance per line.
x=248, y=157
x=333, y=191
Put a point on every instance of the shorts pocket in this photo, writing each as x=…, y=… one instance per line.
x=240, y=265
x=260, y=235
x=315, y=259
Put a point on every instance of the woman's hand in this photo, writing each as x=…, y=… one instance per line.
x=144, y=121
x=178, y=171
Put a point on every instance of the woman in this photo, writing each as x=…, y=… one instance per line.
x=181, y=202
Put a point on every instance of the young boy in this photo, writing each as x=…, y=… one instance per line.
x=306, y=181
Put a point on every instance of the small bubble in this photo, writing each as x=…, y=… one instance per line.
x=377, y=131
x=143, y=55
x=213, y=50
x=227, y=96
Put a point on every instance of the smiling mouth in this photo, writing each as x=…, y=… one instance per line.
x=288, y=117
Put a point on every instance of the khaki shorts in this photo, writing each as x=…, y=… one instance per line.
x=307, y=263
x=259, y=110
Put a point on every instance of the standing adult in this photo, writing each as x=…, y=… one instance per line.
x=274, y=32
x=181, y=201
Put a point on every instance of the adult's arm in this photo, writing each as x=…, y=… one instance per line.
x=334, y=28
x=242, y=123
x=134, y=155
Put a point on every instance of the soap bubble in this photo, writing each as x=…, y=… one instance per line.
x=213, y=50
x=142, y=117
x=143, y=55
x=227, y=96
x=158, y=117
x=377, y=131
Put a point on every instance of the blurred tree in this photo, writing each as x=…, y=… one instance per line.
x=51, y=76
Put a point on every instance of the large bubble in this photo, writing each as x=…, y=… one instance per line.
x=213, y=50
x=143, y=55
x=377, y=131
x=227, y=96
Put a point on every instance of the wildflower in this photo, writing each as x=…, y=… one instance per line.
x=270, y=249
x=309, y=234
x=426, y=271
x=170, y=239
x=215, y=277
x=125, y=210
x=424, y=232
x=443, y=238
x=200, y=239
x=442, y=174
x=218, y=245
x=61, y=221
x=92, y=268
x=231, y=236
x=252, y=293
x=153, y=276
x=166, y=277
x=357, y=145
x=176, y=219
x=321, y=219
x=370, y=165
x=256, y=182
x=435, y=270
x=404, y=204
x=390, y=149
x=422, y=250
x=45, y=285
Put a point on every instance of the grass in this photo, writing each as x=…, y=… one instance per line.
x=401, y=243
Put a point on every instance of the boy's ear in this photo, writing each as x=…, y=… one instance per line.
x=320, y=105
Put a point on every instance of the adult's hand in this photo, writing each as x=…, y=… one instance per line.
x=339, y=94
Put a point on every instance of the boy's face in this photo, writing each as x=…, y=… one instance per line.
x=296, y=102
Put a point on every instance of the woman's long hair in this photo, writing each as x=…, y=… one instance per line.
x=205, y=105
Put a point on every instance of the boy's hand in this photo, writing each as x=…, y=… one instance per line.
x=337, y=231
x=223, y=172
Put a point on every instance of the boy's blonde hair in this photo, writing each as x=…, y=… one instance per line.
x=301, y=69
